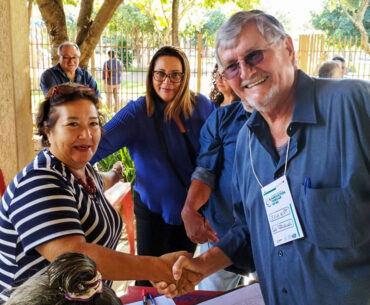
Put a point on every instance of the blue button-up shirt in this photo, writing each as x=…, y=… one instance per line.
x=156, y=182
x=330, y=144
x=56, y=76
x=215, y=162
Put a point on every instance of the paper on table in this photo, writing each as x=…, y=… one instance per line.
x=162, y=300
x=248, y=295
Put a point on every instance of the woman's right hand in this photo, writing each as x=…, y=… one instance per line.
x=184, y=284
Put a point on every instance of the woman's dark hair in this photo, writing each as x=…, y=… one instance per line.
x=215, y=95
x=58, y=95
x=184, y=100
x=68, y=274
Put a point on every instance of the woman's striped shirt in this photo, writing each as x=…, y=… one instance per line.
x=45, y=202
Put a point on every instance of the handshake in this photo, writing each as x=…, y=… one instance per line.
x=179, y=272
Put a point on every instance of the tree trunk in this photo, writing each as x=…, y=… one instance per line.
x=357, y=20
x=105, y=13
x=175, y=23
x=53, y=14
x=84, y=20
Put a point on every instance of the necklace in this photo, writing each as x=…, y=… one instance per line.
x=89, y=186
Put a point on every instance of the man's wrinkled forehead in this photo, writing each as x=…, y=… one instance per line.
x=68, y=50
x=247, y=40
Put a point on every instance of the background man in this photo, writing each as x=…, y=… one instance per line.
x=330, y=69
x=305, y=151
x=112, y=80
x=67, y=70
x=342, y=63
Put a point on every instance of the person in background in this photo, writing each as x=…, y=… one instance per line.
x=330, y=69
x=342, y=63
x=161, y=131
x=71, y=279
x=112, y=70
x=67, y=70
x=56, y=204
x=301, y=171
x=211, y=189
x=207, y=213
x=221, y=93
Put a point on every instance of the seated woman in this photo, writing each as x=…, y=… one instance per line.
x=56, y=204
x=161, y=131
x=71, y=279
x=221, y=93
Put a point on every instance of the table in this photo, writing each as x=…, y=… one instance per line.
x=134, y=294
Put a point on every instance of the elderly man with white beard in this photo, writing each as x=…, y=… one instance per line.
x=301, y=169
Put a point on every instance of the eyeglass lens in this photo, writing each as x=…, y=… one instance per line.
x=67, y=58
x=252, y=59
x=174, y=77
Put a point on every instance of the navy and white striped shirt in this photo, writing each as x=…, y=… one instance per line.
x=45, y=202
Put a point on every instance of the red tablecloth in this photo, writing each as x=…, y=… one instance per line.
x=134, y=295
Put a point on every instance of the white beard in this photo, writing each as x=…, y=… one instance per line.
x=268, y=102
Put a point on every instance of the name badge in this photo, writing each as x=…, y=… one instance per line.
x=281, y=213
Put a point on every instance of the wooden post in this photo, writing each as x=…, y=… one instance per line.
x=16, y=144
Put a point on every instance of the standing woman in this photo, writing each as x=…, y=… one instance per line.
x=161, y=132
x=221, y=93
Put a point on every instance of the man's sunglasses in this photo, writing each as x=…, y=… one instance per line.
x=70, y=89
x=251, y=59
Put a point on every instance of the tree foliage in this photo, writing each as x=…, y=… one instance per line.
x=345, y=18
x=129, y=19
x=162, y=15
x=208, y=25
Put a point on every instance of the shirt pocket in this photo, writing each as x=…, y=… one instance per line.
x=326, y=217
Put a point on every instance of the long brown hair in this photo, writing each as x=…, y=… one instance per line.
x=184, y=100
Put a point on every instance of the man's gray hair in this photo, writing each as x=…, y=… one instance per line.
x=267, y=25
x=69, y=43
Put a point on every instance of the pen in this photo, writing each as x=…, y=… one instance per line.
x=151, y=299
x=307, y=184
x=143, y=294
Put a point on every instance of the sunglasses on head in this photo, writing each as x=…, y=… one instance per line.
x=251, y=59
x=69, y=89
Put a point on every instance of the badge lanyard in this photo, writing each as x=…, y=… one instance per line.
x=280, y=209
x=250, y=156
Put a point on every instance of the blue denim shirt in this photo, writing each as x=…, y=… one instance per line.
x=215, y=162
x=330, y=144
x=156, y=181
x=56, y=76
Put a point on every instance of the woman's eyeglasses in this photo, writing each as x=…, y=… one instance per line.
x=251, y=59
x=69, y=89
x=174, y=77
x=220, y=76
